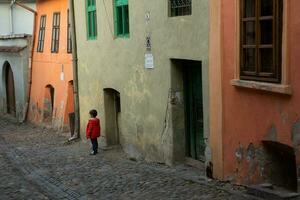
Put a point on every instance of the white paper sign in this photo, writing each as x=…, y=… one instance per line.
x=62, y=76
x=149, y=62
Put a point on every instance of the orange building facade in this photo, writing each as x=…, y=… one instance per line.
x=52, y=98
x=254, y=97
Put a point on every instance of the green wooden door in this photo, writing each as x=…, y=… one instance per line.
x=195, y=145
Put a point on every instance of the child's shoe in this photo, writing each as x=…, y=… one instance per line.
x=93, y=153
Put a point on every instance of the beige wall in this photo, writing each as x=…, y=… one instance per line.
x=118, y=63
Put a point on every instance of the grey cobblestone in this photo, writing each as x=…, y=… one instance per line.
x=36, y=163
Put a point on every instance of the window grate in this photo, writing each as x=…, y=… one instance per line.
x=180, y=7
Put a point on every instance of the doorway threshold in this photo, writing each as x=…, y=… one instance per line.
x=194, y=163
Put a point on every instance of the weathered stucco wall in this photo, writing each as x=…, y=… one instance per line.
x=53, y=69
x=19, y=63
x=250, y=115
x=215, y=88
x=118, y=63
x=22, y=20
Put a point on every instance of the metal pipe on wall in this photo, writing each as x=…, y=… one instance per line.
x=30, y=56
x=11, y=17
x=75, y=71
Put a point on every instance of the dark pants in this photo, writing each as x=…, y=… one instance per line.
x=95, y=145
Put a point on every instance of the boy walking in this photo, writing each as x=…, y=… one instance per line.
x=93, y=130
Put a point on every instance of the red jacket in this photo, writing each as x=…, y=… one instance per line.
x=93, y=128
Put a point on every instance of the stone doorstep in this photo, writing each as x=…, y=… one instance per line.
x=194, y=163
x=267, y=191
x=109, y=147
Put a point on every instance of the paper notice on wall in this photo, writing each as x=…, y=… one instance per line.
x=149, y=61
x=62, y=76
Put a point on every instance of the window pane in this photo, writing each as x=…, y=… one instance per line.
x=249, y=59
x=119, y=20
x=266, y=60
x=55, y=20
x=266, y=7
x=249, y=8
x=126, y=20
x=90, y=24
x=266, y=31
x=249, y=32
x=58, y=19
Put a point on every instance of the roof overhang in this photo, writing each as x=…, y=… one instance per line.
x=22, y=1
x=11, y=49
x=15, y=36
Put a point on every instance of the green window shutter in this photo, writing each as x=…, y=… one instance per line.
x=121, y=15
x=91, y=19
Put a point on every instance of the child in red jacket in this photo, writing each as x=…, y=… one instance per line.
x=93, y=131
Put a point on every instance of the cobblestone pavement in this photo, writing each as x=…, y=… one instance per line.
x=35, y=163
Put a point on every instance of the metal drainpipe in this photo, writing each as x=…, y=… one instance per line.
x=30, y=58
x=75, y=71
x=11, y=18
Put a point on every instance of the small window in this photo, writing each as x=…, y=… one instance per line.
x=180, y=7
x=41, y=38
x=69, y=36
x=55, y=32
x=260, y=40
x=91, y=19
x=121, y=18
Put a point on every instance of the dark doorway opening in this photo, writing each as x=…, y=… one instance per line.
x=112, y=106
x=280, y=165
x=193, y=98
x=187, y=110
x=48, y=104
x=10, y=89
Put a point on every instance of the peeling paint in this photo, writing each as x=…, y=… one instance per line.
x=296, y=133
x=239, y=153
x=272, y=134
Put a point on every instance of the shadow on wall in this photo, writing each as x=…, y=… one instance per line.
x=48, y=104
x=280, y=165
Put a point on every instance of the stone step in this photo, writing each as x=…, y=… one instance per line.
x=270, y=192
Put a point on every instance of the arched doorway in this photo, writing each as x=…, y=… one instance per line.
x=10, y=89
x=112, y=105
x=48, y=103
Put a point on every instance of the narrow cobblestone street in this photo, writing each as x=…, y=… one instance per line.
x=36, y=163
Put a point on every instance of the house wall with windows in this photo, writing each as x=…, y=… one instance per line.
x=140, y=108
x=15, y=56
x=52, y=73
x=256, y=118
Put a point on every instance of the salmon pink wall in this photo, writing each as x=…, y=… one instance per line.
x=250, y=114
x=48, y=67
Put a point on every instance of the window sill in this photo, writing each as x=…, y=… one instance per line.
x=270, y=87
x=91, y=38
x=125, y=36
